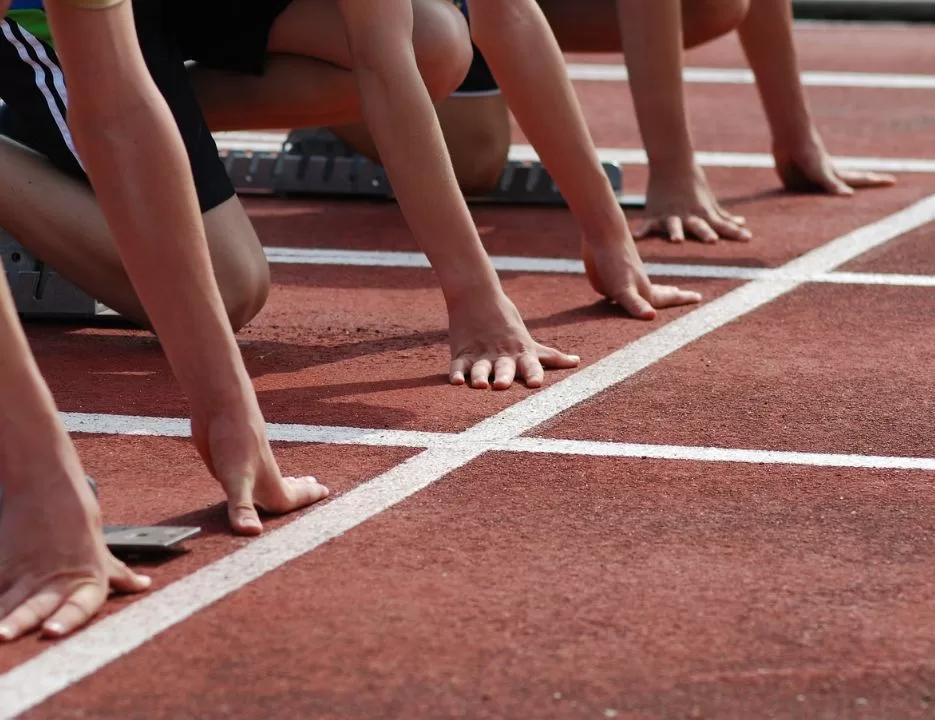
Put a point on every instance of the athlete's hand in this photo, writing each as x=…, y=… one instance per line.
x=616, y=271
x=807, y=166
x=489, y=339
x=680, y=205
x=55, y=569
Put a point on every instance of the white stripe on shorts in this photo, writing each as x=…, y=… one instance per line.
x=43, y=69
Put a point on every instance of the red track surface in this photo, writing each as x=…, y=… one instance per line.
x=553, y=586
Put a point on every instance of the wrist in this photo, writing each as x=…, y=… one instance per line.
x=677, y=160
x=478, y=289
x=792, y=130
x=607, y=235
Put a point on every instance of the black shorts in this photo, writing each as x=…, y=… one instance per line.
x=223, y=34
x=170, y=32
x=479, y=81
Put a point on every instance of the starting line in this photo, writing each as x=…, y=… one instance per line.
x=137, y=426
x=261, y=142
x=505, y=263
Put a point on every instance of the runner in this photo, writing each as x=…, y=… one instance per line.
x=680, y=201
x=278, y=64
x=55, y=570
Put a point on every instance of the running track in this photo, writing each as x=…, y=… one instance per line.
x=727, y=513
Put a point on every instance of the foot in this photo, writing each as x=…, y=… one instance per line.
x=235, y=447
x=55, y=569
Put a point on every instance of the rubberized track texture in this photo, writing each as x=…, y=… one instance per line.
x=725, y=513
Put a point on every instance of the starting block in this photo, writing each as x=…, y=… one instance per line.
x=314, y=161
x=148, y=540
x=137, y=541
x=41, y=293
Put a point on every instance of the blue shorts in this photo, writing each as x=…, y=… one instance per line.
x=479, y=81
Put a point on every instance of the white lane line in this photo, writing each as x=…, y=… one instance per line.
x=272, y=142
x=179, y=427
x=894, y=279
x=104, y=642
x=505, y=263
x=104, y=424
x=616, y=72
x=738, y=160
x=713, y=454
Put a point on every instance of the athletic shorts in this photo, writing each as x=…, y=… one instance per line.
x=479, y=81
x=230, y=35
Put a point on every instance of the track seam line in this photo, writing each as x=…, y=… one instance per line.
x=569, y=266
x=111, y=638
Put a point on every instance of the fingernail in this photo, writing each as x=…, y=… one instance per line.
x=56, y=628
x=6, y=634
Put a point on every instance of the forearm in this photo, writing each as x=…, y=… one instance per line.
x=137, y=164
x=652, y=45
x=767, y=38
x=26, y=405
x=405, y=128
x=526, y=60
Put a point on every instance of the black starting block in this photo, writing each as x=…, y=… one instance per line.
x=41, y=293
x=314, y=161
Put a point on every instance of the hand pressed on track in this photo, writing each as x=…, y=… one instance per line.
x=56, y=572
x=489, y=339
x=616, y=271
x=680, y=205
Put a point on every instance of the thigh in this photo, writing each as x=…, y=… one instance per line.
x=584, y=25
x=312, y=28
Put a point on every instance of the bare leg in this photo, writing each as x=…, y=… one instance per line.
x=309, y=79
x=477, y=132
x=58, y=219
x=592, y=25
x=477, y=129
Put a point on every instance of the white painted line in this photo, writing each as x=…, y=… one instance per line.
x=893, y=279
x=627, y=156
x=616, y=72
x=68, y=662
x=272, y=142
x=713, y=454
x=505, y=263
x=102, y=424
x=179, y=427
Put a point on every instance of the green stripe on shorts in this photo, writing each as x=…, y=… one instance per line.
x=34, y=22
